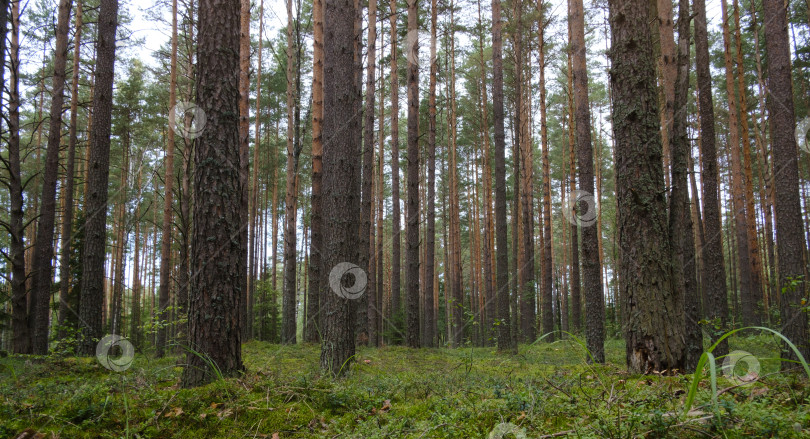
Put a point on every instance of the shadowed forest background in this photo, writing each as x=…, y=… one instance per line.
x=405, y=219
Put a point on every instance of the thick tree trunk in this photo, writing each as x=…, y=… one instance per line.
x=312, y=331
x=43, y=247
x=340, y=176
x=714, y=270
x=681, y=233
x=215, y=332
x=654, y=312
x=502, y=290
x=790, y=234
x=98, y=170
x=591, y=265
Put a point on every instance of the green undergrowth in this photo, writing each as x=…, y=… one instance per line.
x=547, y=390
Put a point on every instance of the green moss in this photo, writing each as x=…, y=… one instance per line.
x=394, y=392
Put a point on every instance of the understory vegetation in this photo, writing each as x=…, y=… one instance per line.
x=547, y=390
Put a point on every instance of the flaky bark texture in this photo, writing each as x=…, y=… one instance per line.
x=244, y=158
x=340, y=165
x=98, y=173
x=412, y=256
x=42, y=269
x=714, y=270
x=789, y=232
x=215, y=331
x=312, y=330
x=680, y=218
x=591, y=266
x=654, y=312
x=502, y=253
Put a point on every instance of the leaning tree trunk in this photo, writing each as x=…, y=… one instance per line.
x=339, y=173
x=654, y=312
x=215, y=332
x=591, y=265
x=714, y=270
x=790, y=236
x=41, y=271
x=98, y=173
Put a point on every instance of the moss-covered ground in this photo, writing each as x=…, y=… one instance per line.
x=547, y=390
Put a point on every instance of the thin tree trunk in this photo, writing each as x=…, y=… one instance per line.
x=92, y=290
x=412, y=256
x=681, y=234
x=714, y=267
x=396, y=300
x=548, y=279
x=591, y=265
x=42, y=268
x=456, y=290
x=254, y=225
x=135, y=319
x=244, y=157
x=312, y=330
x=429, y=336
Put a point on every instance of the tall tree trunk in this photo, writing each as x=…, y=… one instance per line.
x=667, y=72
x=289, y=303
x=215, y=331
x=67, y=219
x=548, y=279
x=591, y=265
x=654, y=312
x=790, y=235
x=244, y=158
x=412, y=254
x=135, y=318
x=574, y=281
x=166, y=228
x=748, y=301
x=502, y=291
x=367, y=213
x=312, y=333
x=98, y=170
x=681, y=234
x=714, y=270
x=340, y=176
x=42, y=268
x=396, y=275
x=750, y=212
x=456, y=289
x=19, y=296
x=429, y=336
x=254, y=223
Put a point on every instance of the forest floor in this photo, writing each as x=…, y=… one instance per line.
x=547, y=390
